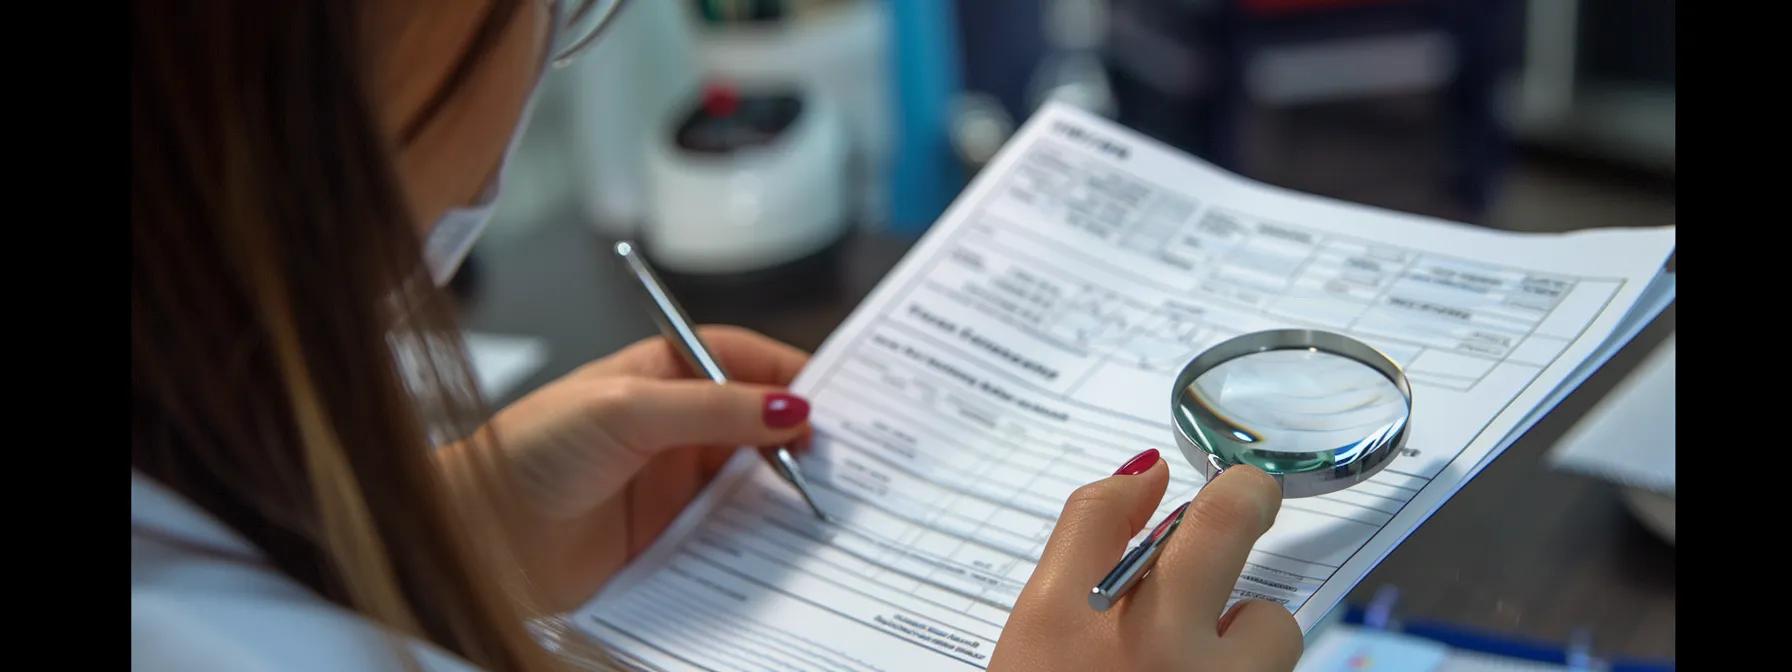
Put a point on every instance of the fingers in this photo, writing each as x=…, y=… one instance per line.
x=753, y=357
x=1263, y=633
x=650, y=415
x=746, y=355
x=1092, y=531
x=1200, y=565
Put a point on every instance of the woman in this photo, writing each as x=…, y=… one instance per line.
x=301, y=174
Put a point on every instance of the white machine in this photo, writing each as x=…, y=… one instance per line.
x=745, y=181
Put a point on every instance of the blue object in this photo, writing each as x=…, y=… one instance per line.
x=1226, y=34
x=925, y=175
x=1003, y=46
x=1365, y=650
x=1468, y=640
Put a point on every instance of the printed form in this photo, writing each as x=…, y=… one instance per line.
x=1027, y=346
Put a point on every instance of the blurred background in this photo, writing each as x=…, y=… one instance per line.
x=776, y=157
x=1515, y=114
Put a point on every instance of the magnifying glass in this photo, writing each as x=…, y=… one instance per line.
x=1319, y=411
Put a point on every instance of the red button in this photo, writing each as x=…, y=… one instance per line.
x=720, y=100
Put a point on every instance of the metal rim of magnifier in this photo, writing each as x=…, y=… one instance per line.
x=1303, y=484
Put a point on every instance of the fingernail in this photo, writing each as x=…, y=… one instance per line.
x=1138, y=464
x=1226, y=619
x=783, y=409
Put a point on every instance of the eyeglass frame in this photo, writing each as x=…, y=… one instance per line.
x=563, y=19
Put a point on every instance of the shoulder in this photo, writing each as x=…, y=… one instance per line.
x=162, y=638
x=196, y=608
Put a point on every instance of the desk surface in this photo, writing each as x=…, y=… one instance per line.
x=1521, y=551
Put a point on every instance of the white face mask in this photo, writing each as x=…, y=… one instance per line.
x=454, y=234
x=452, y=237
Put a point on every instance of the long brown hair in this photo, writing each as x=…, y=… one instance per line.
x=274, y=269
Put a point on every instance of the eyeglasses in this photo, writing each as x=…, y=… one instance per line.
x=577, y=23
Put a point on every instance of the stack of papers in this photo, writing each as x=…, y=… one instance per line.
x=1353, y=649
x=1348, y=649
x=1027, y=345
x=1628, y=437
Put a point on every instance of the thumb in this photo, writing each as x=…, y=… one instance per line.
x=1095, y=525
x=650, y=415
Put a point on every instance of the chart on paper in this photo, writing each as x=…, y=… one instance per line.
x=1027, y=347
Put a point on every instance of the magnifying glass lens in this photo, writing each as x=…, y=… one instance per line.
x=1323, y=419
x=1290, y=411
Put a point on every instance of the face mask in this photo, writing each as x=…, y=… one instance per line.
x=453, y=235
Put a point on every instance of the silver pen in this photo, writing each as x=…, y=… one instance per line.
x=1135, y=564
x=677, y=328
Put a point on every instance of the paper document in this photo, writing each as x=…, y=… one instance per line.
x=500, y=362
x=1027, y=345
x=1353, y=649
x=1628, y=438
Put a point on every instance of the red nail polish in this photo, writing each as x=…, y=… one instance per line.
x=783, y=409
x=1226, y=619
x=1138, y=464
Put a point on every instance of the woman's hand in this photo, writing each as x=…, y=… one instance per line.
x=1172, y=619
x=607, y=456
